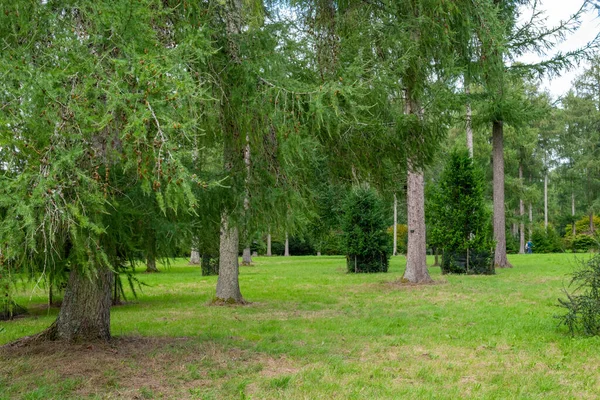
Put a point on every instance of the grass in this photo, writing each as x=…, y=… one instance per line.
x=314, y=332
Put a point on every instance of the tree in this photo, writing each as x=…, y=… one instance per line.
x=460, y=218
x=366, y=241
x=91, y=110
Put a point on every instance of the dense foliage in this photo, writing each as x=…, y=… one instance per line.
x=366, y=242
x=460, y=218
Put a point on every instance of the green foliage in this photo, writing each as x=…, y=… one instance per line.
x=401, y=237
x=546, y=240
x=583, y=303
x=209, y=265
x=366, y=242
x=461, y=223
x=584, y=243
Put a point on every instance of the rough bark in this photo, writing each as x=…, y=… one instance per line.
x=287, y=246
x=500, y=259
x=195, y=257
x=228, y=287
x=521, y=216
x=246, y=257
x=395, y=225
x=416, y=254
x=85, y=311
x=269, y=253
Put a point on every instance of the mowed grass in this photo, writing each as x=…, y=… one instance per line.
x=313, y=331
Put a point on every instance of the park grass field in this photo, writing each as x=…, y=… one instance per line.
x=312, y=331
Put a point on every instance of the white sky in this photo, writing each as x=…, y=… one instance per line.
x=557, y=10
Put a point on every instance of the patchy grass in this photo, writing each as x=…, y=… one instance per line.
x=313, y=331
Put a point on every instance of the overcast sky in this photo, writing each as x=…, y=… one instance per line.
x=557, y=10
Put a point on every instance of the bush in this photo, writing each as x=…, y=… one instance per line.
x=332, y=244
x=583, y=304
x=584, y=242
x=546, y=241
x=460, y=220
x=368, y=246
x=209, y=265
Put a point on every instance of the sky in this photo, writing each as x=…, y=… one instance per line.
x=555, y=11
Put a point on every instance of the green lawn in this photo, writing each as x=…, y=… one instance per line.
x=314, y=332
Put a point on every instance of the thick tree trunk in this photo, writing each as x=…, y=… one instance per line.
x=246, y=257
x=151, y=264
x=521, y=216
x=287, y=246
x=195, y=257
x=416, y=255
x=85, y=311
x=546, y=202
x=395, y=225
x=269, y=253
x=228, y=287
x=500, y=259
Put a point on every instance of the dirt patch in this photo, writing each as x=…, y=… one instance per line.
x=136, y=367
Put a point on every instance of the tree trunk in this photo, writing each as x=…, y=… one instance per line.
x=195, y=257
x=246, y=257
x=395, y=252
x=269, y=253
x=416, y=254
x=574, y=231
x=287, y=246
x=437, y=257
x=521, y=215
x=85, y=311
x=469, y=124
x=151, y=264
x=592, y=227
x=228, y=287
x=546, y=202
x=500, y=259
x=530, y=220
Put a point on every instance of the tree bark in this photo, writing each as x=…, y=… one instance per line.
x=269, y=253
x=395, y=252
x=151, y=264
x=246, y=257
x=228, y=287
x=287, y=246
x=469, y=123
x=195, y=257
x=530, y=220
x=574, y=231
x=592, y=227
x=500, y=259
x=521, y=215
x=416, y=254
x=546, y=202
x=85, y=311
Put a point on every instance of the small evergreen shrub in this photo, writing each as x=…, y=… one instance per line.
x=367, y=245
x=460, y=220
x=209, y=265
x=583, y=304
x=584, y=243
